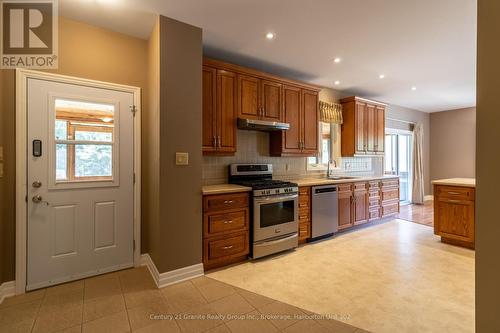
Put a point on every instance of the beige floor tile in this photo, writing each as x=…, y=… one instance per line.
x=116, y=323
x=143, y=297
x=19, y=313
x=201, y=280
x=102, y=307
x=219, y=329
x=309, y=326
x=251, y=323
x=74, y=329
x=142, y=316
x=59, y=319
x=257, y=301
x=61, y=300
x=214, y=290
x=337, y=326
x=24, y=298
x=137, y=279
x=65, y=287
x=280, y=314
x=199, y=319
x=233, y=304
x=24, y=326
x=169, y=326
x=183, y=296
x=101, y=286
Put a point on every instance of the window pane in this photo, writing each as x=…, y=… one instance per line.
x=61, y=130
x=93, y=136
x=93, y=161
x=61, y=162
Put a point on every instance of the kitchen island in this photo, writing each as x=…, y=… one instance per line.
x=454, y=209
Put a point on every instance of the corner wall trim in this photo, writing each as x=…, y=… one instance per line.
x=428, y=198
x=171, y=277
x=7, y=289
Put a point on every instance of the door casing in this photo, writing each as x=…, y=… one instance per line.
x=22, y=76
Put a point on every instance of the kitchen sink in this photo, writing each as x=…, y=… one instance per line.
x=341, y=177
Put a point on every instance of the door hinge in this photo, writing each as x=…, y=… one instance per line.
x=133, y=245
x=133, y=177
x=26, y=198
x=133, y=109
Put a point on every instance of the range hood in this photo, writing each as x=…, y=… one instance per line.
x=262, y=125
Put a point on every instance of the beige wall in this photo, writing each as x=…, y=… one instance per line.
x=180, y=131
x=487, y=167
x=84, y=51
x=405, y=114
x=453, y=144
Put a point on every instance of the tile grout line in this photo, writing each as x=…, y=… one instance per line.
x=124, y=303
x=38, y=310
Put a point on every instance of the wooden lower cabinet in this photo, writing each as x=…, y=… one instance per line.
x=454, y=209
x=226, y=222
x=345, y=206
x=389, y=193
x=304, y=213
x=360, y=198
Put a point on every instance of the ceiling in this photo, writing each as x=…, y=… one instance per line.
x=427, y=44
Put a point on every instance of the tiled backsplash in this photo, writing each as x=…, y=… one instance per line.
x=253, y=147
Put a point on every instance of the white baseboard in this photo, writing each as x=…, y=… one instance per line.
x=175, y=276
x=7, y=289
x=428, y=198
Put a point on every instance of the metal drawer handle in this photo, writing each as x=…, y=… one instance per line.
x=228, y=201
x=453, y=193
x=451, y=200
x=303, y=217
x=228, y=247
x=228, y=221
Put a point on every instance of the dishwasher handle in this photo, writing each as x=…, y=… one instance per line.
x=322, y=190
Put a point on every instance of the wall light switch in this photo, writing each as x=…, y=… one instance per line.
x=181, y=158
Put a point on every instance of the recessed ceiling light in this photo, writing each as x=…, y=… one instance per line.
x=413, y=88
x=381, y=76
x=270, y=35
x=336, y=60
x=336, y=83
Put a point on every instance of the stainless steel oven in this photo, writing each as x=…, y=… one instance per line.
x=275, y=215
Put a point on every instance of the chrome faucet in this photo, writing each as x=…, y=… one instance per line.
x=328, y=171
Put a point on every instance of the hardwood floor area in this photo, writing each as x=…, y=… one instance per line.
x=421, y=214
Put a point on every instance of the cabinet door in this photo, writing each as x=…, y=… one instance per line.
x=345, y=209
x=248, y=97
x=292, y=108
x=310, y=122
x=380, y=129
x=226, y=111
x=371, y=134
x=209, y=131
x=455, y=219
x=271, y=100
x=360, y=206
x=360, y=128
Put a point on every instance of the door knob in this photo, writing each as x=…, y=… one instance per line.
x=37, y=184
x=39, y=199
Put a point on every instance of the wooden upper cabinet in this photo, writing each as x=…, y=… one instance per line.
x=226, y=111
x=292, y=105
x=248, y=97
x=271, y=100
x=209, y=133
x=219, y=111
x=301, y=112
x=310, y=122
x=363, y=130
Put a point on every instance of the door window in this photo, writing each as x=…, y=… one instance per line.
x=398, y=146
x=84, y=140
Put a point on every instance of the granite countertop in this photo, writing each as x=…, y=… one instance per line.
x=233, y=188
x=465, y=182
x=224, y=188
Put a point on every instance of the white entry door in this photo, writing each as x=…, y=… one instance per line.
x=80, y=182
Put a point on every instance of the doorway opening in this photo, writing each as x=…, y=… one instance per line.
x=398, y=160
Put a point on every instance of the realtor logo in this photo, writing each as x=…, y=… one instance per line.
x=29, y=34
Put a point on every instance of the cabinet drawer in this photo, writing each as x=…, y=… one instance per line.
x=374, y=194
x=374, y=185
x=390, y=209
x=454, y=192
x=304, y=192
x=304, y=217
x=390, y=194
x=374, y=202
x=374, y=213
x=345, y=188
x=304, y=230
x=360, y=186
x=225, y=222
x=304, y=205
x=232, y=245
x=213, y=203
x=390, y=182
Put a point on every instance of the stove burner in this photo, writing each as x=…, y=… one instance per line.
x=266, y=184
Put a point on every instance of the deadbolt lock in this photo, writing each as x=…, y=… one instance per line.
x=37, y=184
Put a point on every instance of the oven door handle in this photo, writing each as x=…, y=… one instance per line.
x=276, y=198
x=277, y=241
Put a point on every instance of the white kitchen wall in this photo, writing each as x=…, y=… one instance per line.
x=253, y=147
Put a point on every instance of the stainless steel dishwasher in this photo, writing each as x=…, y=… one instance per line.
x=324, y=211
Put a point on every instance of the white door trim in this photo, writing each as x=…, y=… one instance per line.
x=22, y=76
